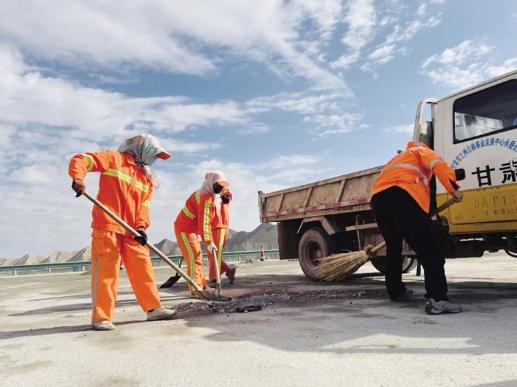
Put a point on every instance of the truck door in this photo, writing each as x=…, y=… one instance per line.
x=477, y=131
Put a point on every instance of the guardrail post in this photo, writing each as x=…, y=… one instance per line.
x=49, y=270
x=14, y=272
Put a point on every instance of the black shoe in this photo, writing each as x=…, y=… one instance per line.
x=408, y=294
x=433, y=307
x=211, y=284
x=231, y=274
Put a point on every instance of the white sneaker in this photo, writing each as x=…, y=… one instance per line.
x=105, y=325
x=161, y=313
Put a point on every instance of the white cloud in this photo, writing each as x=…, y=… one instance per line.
x=183, y=37
x=464, y=65
x=27, y=97
x=305, y=103
x=395, y=44
x=289, y=161
x=327, y=113
x=383, y=54
x=360, y=18
x=507, y=66
x=407, y=129
x=328, y=124
x=466, y=50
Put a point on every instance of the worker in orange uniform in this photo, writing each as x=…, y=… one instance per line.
x=194, y=219
x=400, y=203
x=125, y=186
x=220, y=226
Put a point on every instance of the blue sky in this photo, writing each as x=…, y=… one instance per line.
x=273, y=93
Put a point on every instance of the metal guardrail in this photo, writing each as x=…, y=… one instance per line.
x=83, y=266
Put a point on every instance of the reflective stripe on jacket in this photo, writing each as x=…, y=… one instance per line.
x=123, y=188
x=197, y=215
x=412, y=171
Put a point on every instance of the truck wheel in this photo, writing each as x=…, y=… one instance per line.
x=314, y=245
x=511, y=253
x=408, y=264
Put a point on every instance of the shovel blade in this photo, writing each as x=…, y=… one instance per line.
x=170, y=282
x=209, y=296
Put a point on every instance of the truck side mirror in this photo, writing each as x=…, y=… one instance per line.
x=460, y=174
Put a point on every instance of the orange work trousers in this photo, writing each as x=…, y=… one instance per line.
x=190, y=248
x=107, y=249
x=220, y=236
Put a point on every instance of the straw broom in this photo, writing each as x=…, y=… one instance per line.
x=339, y=266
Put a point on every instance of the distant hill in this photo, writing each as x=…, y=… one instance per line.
x=167, y=247
x=27, y=260
x=263, y=236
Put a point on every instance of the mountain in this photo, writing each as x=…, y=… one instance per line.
x=167, y=247
x=59, y=256
x=27, y=260
x=82, y=255
x=263, y=236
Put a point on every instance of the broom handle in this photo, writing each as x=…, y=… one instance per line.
x=152, y=247
x=380, y=246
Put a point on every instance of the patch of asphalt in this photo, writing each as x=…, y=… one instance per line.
x=259, y=301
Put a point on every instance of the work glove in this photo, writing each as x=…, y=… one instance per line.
x=211, y=248
x=226, y=197
x=142, y=239
x=78, y=186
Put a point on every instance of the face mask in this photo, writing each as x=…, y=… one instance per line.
x=151, y=161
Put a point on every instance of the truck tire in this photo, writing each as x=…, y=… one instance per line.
x=408, y=264
x=314, y=245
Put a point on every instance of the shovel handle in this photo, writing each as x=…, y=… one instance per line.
x=372, y=251
x=152, y=247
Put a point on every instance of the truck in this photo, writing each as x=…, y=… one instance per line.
x=475, y=130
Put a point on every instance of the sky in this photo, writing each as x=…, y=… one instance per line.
x=273, y=93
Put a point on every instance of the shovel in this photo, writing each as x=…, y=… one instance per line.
x=197, y=289
x=172, y=280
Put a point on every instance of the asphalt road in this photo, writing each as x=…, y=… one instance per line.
x=307, y=334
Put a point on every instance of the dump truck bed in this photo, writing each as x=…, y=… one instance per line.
x=338, y=195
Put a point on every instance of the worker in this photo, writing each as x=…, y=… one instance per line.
x=400, y=203
x=220, y=226
x=195, y=220
x=125, y=186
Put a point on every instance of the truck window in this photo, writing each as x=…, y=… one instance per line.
x=486, y=112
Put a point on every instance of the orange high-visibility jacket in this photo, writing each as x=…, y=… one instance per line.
x=222, y=217
x=197, y=216
x=123, y=188
x=412, y=171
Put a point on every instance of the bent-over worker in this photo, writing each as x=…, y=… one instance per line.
x=400, y=203
x=195, y=218
x=125, y=186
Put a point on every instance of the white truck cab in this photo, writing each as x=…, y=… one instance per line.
x=476, y=130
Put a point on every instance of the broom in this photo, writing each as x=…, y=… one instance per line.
x=339, y=266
